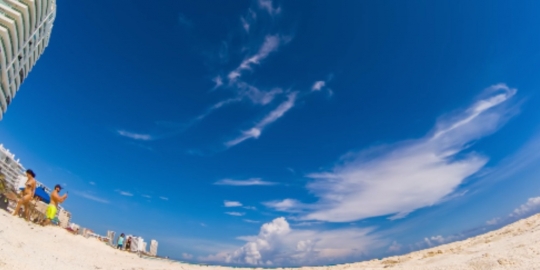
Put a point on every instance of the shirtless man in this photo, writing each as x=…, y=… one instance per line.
x=52, y=208
x=27, y=194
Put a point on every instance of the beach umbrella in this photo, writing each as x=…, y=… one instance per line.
x=42, y=194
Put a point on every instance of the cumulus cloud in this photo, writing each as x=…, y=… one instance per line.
x=278, y=244
x=236, y=214
x=231, y=204
x=532, y=204
x=398, y=179
x=273, y=116
x=248, y=182
x=187, y=256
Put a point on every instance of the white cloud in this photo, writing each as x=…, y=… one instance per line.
x=231, y=204
x=236, y=214
x=250, y=207
x=255, y=95
x=135, y=136
x=318, y=85
x=125, y=193
x=249, y=182
x=274, y=115
x=271, y=44
x=493, y=221
x=91, y=197
x=92, y=183
x=146, y=196
x=398, y=179
x=204, y=225
x=251, y=221
x=307, y=223
x=278, y=244
x=286, y=205
x=187, y=256
x=164, y=198
x=439, y=240
x=218, y=82
x=269, y=7
x=245, y=24
x=532, y=204
x=395, y=247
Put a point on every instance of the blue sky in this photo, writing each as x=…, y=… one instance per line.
x=287, y=133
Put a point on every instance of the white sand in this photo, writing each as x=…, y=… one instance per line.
x=28, y=246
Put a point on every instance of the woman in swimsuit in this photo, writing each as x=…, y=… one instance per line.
x=27, y=194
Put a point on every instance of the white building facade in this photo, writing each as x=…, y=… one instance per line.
x=10, y=167
x=153, y=247
x=25, y=31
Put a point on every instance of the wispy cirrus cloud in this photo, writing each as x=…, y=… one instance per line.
x=236, y=214
x=232, y=204
x=251, y=221
x=89, y=196
x=164, y=198
x=125, y=193
x=318, y=85
x=271, y=44
x=274, y=115
x=268, y=5
x=398, y=179
x=248, y=182
x=218, y=82
x=135, y=136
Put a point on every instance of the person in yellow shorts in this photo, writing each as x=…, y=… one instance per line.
x=51, y=212
x=52, y=208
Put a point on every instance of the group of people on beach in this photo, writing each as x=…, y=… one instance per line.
x=120, y=242
x=28, y=194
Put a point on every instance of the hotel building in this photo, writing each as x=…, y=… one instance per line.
x=25, y=31
x=10, y=167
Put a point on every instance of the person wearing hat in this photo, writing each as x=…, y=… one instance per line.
x=53, y=206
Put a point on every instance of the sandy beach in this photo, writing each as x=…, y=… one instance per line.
x=28, y=246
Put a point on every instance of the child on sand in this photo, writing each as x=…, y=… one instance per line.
x=120, y=242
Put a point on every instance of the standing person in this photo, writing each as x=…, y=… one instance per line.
x=128, y=244
x=120, y=242
x=27, y=194
x=53, y=206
